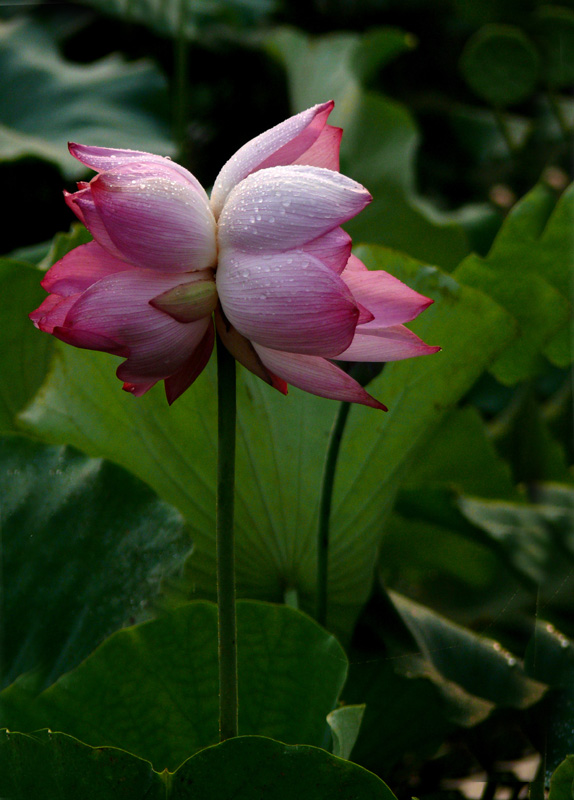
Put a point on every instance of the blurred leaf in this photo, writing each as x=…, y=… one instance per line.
x=164, y=674
x=406, y=716
x=345, y=723
x=550, y=657
x=47, y=101
x=281, y=447
x=523, y=436
x=446, y=460
x=24, y=356
x=466, y=660
x=380, y=140
x=562, y=781
x=500, y=64
x=535, y=538
x=84, y=547
x=554, y=32
x=528, y=271
x=192, y=17
x=478, y=133
x=55, y=766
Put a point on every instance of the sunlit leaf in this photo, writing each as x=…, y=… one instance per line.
x=528, y=271
x=281, y=447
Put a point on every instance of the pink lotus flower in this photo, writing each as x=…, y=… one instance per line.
x=265, y=256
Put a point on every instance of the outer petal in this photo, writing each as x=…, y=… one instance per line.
x=83, y=206
x=182, y=379
x=288, y=301
x=385, y=344
x=390, y=301
x=280, y=145
x=117, y=308
x=287, y=207
x=325, y=151
x=155, y=218
x=52, y=312
x=80, y=268
x=102, y=159
x=317, y=376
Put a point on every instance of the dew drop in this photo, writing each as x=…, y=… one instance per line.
x=271, y=220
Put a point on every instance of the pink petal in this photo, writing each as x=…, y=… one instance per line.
x=288, y=301
x=102, y=159
x=138, y=389
x=390, y=300
x=117, y=308
x=155, y=218
x=317, y=376
x=278, y=146
x=333, y=249
x=287, y=207
x=385, y=344
x=179, y=381
x=80, y=268
x=90, y=340
x=324, y=152
x=83, y=206
x=52, y=312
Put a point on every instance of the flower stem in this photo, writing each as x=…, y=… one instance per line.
x=327, y=482
x=227, y=638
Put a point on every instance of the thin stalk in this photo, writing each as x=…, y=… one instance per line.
x=559, y=114
x=227, y=628
x=504, y=129
x=327, y=483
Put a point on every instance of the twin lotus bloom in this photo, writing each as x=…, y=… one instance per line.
x=264, y=261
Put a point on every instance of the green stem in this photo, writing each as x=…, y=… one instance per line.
x=226, y=413
x=325, y=511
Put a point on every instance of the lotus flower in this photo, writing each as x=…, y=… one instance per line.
x=265, y=258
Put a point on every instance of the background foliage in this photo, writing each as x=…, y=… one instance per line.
x=451, y=580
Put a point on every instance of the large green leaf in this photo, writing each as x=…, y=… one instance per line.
x=84, y=547
x=24, y=356
x=54, y=766
x=47, y=101
x=380, y=140
x=153, y=689
x=528, y=271
x=281, y=446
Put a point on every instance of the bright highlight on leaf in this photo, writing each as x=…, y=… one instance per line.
x=266, y=252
